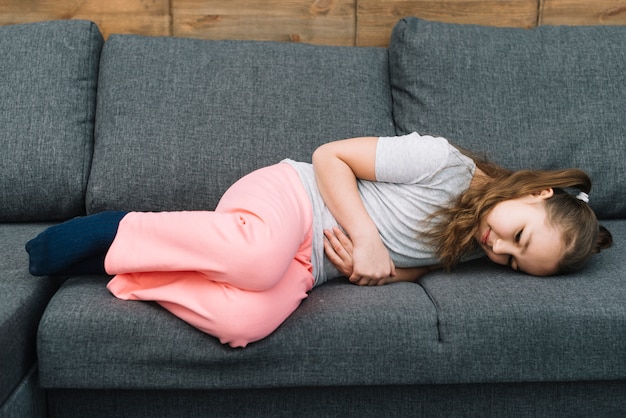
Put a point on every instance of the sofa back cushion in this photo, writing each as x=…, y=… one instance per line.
x=549, y=97
x=179, y=120
x=48, y=76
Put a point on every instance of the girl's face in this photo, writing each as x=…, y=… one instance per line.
x=516, y=233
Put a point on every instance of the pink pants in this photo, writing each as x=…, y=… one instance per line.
x=236, y=273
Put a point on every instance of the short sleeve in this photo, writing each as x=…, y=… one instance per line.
x=410, y=158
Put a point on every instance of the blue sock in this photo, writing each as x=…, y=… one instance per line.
x=76, y=246
x=93, y=265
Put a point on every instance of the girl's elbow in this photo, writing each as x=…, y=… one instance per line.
x=322, y=154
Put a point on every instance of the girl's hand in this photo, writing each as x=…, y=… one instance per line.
x=338, y=167
x=339, y=249
x=367, y=265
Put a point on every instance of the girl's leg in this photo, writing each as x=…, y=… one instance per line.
x=256, y=231
x=236, y=273
x=235, y=316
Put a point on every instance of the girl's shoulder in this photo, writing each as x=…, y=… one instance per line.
x=412, y=158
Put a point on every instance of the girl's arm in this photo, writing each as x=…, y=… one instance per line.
x=338, y=249
x=337, y=166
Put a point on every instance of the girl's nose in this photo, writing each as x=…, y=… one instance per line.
x=497, y=254
x=499, y=246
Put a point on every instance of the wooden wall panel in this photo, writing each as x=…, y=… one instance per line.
x=577, y=12
x=376, y=18
x=329, y=22
x=148, y=17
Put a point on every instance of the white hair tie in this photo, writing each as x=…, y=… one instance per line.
x=583, y=196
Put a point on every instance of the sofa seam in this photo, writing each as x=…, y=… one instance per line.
x=94, y=32
x=437, y=310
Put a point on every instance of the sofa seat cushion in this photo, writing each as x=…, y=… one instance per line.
x=503, y=326
x=341, y=335
x=48, y=77
x=549, y=97
x=481, y=323
x=23, y=299
x=179, y=120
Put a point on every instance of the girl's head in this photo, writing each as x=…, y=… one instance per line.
x=525, y=219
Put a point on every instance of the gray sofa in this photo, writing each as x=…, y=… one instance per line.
x=151, y=124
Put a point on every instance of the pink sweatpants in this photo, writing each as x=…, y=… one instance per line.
x=236, y=273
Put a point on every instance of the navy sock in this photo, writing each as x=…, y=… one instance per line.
x=93, y=265
x=73, y=245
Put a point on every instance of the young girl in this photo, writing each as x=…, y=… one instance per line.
x=382, y=209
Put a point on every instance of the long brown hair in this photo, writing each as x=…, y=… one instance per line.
x=453, y=234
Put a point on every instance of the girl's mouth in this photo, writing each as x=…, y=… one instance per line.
x=485, y=236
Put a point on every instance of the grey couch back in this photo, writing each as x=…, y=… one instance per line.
x=48, y=77
x=180, y=120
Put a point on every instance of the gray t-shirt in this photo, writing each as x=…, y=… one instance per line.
x=416, y=176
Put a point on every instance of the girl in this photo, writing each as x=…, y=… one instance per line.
x=407, y=205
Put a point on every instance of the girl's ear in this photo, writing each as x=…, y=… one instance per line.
x=544, y=194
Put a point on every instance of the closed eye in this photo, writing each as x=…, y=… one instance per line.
x=510, y=262
x=518, y=239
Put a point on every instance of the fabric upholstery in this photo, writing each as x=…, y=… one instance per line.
x=48, y=76
x=89, y=339
x=503, y=326
x=519, y=400
x=27, y=400
x=550, y=97
x=180, y=120
x=480, y=323
x=22, y=301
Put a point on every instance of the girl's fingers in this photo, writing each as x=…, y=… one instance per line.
x=341, y=246
x=345, y=241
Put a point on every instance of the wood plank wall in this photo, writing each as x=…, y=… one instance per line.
x=329, y=22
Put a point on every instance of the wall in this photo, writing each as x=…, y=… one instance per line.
x=330, y=22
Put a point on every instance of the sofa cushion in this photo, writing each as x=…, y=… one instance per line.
x=481, y=323
x=23, y=299
x=48, y=76
x=549, y=97
x=342, y=334
x=501, y=326
x=179, y=120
